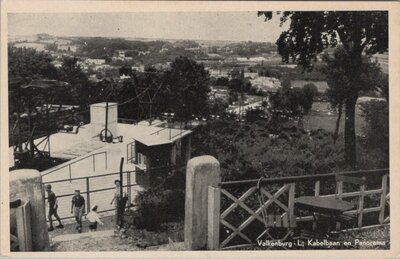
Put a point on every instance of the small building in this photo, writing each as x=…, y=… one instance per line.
x=95, y=61
x=138, y=68
x=121, y=54
x=161, y=151
x=266, y=84
x=251, y=75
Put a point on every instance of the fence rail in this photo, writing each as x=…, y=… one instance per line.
x=99, y=189
x=282, y=193
x=69, y=165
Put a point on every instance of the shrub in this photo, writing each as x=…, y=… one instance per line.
x=157, y=206
x=376, y=130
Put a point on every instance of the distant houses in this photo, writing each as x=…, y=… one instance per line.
x=266, y=84
x=95, y=61
x=121, y=56
x=251, y=59
x=218, y=73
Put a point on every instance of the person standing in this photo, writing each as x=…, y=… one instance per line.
x=93, y=219
x=119, y=214
x=53, y=206
x=78, y=208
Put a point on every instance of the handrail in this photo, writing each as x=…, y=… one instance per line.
x=303, y=177
x=159, y=131
x=92, y=191
x=84, y=177
x=76, y=161
x=116, y=173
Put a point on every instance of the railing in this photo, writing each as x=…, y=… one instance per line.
x=69, y=165
x=170, y=132
x=98, y=189
x=235, y=212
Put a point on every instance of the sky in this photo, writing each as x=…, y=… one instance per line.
x=235, y=26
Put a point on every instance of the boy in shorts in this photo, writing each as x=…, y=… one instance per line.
x=53, y=206
x=78, y=208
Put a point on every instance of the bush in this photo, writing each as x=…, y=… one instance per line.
x=157, y=206
x=376, y=130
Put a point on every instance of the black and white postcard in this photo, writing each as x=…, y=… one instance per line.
x=207, y=129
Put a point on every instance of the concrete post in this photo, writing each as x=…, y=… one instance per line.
x=26, y=184
x=201, y=172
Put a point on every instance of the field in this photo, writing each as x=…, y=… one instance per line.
x=322, y=117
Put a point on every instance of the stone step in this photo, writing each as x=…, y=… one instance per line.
x=71, y=237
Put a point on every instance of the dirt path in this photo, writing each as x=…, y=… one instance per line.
x=68, y=239
x=96, y=243
x=106, y=241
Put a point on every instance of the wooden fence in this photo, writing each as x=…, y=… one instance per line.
x=233, y=207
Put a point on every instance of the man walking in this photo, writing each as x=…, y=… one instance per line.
x=53, y=205
x=78, y=208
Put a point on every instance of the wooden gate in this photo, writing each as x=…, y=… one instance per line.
x=235, y=217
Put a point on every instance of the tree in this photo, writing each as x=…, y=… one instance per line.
x=81, y=87
x=187, y=88
x=339, y=79
x=126, y=70
x=222, y=81
x=51, y=47
x=218, y=106
x=25, y=62
x=309, y=92
x=25, y=65
x=376, y=129
x=359, y=32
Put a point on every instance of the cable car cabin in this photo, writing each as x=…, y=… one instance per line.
x=155, y=156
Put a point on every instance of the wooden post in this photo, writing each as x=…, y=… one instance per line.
x=106, y=158
x=94, y=163
x=201, y=172
x=383, y=199
x=129, y=188
x=214, y=207
x=121, y=168
x=361, y=205
x=292, y=217
x=316, y=194
x=88, y=195
x=317, y=188
x=128, y=157
x=339, y=193
x=69, y=169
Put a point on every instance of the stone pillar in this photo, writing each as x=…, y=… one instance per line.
x=26, y=184
x=201, y=172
